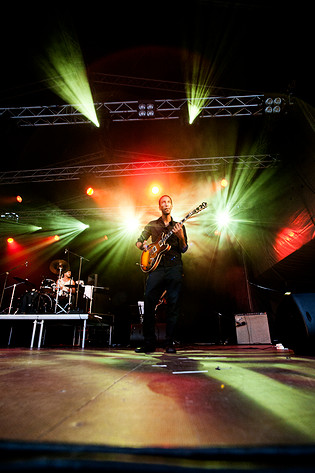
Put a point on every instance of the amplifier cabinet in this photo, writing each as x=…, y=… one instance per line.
x=252, y=328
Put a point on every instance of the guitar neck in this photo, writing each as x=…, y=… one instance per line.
x=166, y=237
x=193, y=212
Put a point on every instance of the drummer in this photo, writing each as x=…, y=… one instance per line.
x=65, y=284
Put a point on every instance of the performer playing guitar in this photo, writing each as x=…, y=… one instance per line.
x=163, y=261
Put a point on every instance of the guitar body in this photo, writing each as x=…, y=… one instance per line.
x=151, y=257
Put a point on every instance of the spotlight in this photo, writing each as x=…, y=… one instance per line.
x=90, y=191
x=146, y=109
x=19, y=198
x=132, y=224
x=224, y=182
x=274, y=105
x=155, y=190
x=193, y=111
x=11, y=216
x=223, y=219
x=10, y=240
x=83, y=226
x=56, y=237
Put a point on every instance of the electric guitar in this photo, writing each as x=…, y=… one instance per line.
x=151, y=257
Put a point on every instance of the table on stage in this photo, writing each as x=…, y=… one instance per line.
x=39, y=319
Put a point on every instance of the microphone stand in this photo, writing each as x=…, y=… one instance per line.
x=6, y=279
x=79, y=276
x=4, y=287
x=57, y=290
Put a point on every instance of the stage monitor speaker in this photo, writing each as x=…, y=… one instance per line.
x=295, y=322
x=252, y=329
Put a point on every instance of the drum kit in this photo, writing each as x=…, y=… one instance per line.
x=53, y=297
x=49, y=299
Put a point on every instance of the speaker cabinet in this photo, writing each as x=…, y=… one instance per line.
x=295, y=322
x=252, y=329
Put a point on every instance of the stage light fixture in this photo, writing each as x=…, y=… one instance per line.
x=90, y=191
x=224, y=183
x=223, y=218
x=83, y=226
x=10, y=240
x=146, y=109
x=10, y=216
x=193, y=112
x=132, y=224
x=273, y=105
x=19, y=198
x=155, y=190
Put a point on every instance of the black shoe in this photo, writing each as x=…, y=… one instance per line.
x=170, y=350
x=145, y=349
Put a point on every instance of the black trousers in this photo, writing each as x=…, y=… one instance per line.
x=169, y=278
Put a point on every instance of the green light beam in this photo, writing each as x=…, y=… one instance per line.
x=66, y=73
x=285, y=402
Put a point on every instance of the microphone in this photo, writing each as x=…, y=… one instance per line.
x=66, y=250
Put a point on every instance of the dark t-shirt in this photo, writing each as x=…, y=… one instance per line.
x=155, y=229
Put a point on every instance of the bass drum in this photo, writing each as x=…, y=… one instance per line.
x=33, y=302
x=45, y=304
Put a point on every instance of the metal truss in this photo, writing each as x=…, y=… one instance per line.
x=36, y=216
x=164, y=109
x=158, y=166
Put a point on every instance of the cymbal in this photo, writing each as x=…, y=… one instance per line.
x=26, y=281
x=58, y=264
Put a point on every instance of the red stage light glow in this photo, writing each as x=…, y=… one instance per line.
x=10, y=240
x=90, y=191
x=19, y=198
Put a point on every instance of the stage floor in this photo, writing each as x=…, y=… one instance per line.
x=201, y=397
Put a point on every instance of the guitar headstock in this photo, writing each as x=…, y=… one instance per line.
x=202, y=206
x=198, y=209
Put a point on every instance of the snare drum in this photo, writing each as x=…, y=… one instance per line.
x=48, y=286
